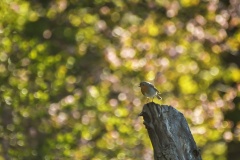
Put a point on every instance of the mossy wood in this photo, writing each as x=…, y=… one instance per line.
x=169, y=133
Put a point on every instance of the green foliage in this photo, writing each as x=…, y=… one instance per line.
x=69, y=75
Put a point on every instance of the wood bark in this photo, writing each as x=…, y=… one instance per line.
x=169, y=133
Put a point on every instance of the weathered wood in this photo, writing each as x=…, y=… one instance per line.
x=169, y=133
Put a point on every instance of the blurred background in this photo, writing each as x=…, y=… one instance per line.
x=70, y=70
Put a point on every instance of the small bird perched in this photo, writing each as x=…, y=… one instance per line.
x=149, y=90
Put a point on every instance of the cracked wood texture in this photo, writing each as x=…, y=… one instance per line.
x=169, y=133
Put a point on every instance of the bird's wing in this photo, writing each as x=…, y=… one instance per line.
x=153, y=87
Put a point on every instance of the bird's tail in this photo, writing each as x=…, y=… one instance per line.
x=158, y=96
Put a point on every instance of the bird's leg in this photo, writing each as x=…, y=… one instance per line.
x=147, y=100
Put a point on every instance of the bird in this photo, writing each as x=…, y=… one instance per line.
x=149, y=90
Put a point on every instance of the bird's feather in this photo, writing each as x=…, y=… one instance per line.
x=158, y=96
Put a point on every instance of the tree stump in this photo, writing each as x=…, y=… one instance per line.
x=169, y=133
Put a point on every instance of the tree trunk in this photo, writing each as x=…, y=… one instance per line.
x=169, y=133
